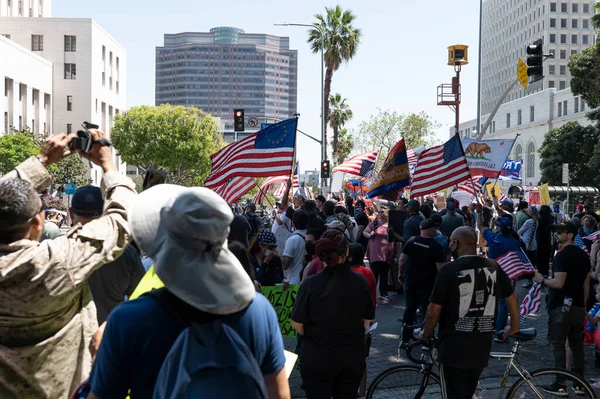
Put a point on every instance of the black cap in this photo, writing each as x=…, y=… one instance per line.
x=414, y=204
x=321, y=198
x=87, y=201
x=427, y=224
x=565, y=227
x=437, y=220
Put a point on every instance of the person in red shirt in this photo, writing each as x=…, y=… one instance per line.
x=356, y=256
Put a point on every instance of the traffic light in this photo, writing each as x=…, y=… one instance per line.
x=238, y=120
x=535, y=59
x=325, y=170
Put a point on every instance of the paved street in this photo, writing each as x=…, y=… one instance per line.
x=532, y=355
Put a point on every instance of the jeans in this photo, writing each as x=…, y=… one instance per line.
x=563, y=326
x=413, y=299
x=326, y=382
x=458, y=383
x=380, y=271
x=502, y=318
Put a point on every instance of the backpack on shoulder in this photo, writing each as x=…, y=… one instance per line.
x=208, y=360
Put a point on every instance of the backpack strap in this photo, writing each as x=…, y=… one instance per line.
x=301, y=236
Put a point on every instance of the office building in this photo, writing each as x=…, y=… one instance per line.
x=26, y=8
x=310, y=177
x=89, y=77
x=509, y=26
x=225, y=69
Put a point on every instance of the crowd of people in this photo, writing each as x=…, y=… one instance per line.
x=67, y=325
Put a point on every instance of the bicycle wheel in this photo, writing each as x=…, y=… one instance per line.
x=404, y=382
x=537, y=386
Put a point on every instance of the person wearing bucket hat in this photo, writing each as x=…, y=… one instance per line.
x=265, y=259
x=185, y=231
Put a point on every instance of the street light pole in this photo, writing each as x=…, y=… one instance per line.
x=323, y=149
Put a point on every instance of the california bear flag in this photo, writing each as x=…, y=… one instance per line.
x=486, y=157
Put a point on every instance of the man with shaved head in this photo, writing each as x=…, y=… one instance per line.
x=468, y=290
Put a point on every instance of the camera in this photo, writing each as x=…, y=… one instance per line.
x=84, y=141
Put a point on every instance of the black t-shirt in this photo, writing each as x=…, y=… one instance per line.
x=468, y=289
x=576, y=263
x=332, y=306
x=421, y=270
x=362, y=220
x=240, y=230
x=412, y=226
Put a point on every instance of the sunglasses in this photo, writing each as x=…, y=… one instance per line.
x=37, y=213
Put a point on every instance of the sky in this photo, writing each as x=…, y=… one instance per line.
x=399, y=64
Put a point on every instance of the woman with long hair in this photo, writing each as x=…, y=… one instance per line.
x=265, y=259
x=380, y=252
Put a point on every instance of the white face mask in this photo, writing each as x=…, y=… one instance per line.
x=268, y=252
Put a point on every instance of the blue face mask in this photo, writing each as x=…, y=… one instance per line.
x=556, y=209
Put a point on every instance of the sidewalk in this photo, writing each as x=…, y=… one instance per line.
x=532, y=355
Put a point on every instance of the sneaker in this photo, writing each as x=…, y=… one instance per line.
x=500, y=340
x=555, y=389
x=596, y=384
x=578, y=389
x=384, y=297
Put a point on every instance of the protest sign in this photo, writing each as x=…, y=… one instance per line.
x=283, y=302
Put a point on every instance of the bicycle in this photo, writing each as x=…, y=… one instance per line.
x=420, y=381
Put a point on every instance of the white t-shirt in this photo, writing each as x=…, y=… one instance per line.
x=282, y=232
x=295, y=248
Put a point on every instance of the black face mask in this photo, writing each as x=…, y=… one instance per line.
x=454, y=253
x=310, y=248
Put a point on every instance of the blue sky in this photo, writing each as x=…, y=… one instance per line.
x=399, y=64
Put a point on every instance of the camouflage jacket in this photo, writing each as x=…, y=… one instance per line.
x=47, y=316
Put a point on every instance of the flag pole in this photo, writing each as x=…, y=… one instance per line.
x=462, y=150
x=260, y=188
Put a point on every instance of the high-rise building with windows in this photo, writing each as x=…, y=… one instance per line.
x=225, y=69
x=25, y=8
x=509, y=26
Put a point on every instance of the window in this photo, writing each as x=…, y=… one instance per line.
x=70, y=43
x=582, y=106
x=70, y=71
x=553, y=22
x=574, y=22
x=552, y=38
x=563, y=54
x=586, y=8
x=69, y=128
x=117, y=86
x=6, y=86
x=574, y=39
x=562, y=85
x=575, y=8
x=573, y=52
x=69, y=103
x=550, y=84
x=531, y=113
x=576, y=104
x=44, y=131
x=20, y=123
x=103, y=79
x=37, y=43
x=21, y=92
x=563, y=7
x=559, y=109
x=103, y=53
x=552, y=7
x=110, y=59
x=117, y=64
x=33, y=126
x=519, y=117
x=110, y=83
x=96, y=105
x=530, y=160
x=507, y=120
x=563, y=22
x=563, y=39
x=565, y=107
x=493, y=126
x=584, y=39
x=518, y=152
x=551, y=69
x=563, y=69
x=586, y=23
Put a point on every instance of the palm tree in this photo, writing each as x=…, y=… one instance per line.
x=341, y=43
x=340, y=114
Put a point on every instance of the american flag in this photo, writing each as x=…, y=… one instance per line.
x=295, y=179
x=354, y=164
x=280, y=191
x=467, y=186
x=515, y=264
x=267, y=185
x=592, y=237
x=439, y=167
x=235, y=188
x=532, y=303
x=269, y=152
x=367, y=168
x=579, y=242
x=413, y=155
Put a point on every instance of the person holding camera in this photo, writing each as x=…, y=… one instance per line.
x=47, y=315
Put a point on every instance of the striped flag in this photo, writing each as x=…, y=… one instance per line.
x=467, y=186
x=280, y=191
x=592, y=237
x=515, y=264
x=295, y=179
x=579, y=242
x=235, y=188
x=532, y=303
x=354, y=164
x=413, y=155
x=367, y=168
x=439, y=167
x=268, y=184
x=269, y=152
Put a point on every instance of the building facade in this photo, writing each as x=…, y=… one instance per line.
x=225, y=69
x=26, y=8
x=89, y=71
x=509, y=26
x=310, y=177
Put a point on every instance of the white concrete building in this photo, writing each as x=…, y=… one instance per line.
x=26, y=8
x=27, y=88
x=531, y=117
x=310, y=177
x=89, y=76
x=509, y=26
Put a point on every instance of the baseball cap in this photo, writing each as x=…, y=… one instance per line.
x=506, y=201
x=87, y=201
x=565, y=227
x=336, y=224
x=427, y=224
x=414, y=204
x=437, y=220
x=504, y=222
x=451, y=205
x=321, y=198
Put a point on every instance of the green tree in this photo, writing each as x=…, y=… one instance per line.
x=178, y=140
x=573, y=144
x=345, y=146
x=340, y=114
x=14, y=149
x=585, y=75
x=72, y=169
x=341, y=40
x=383, y=130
